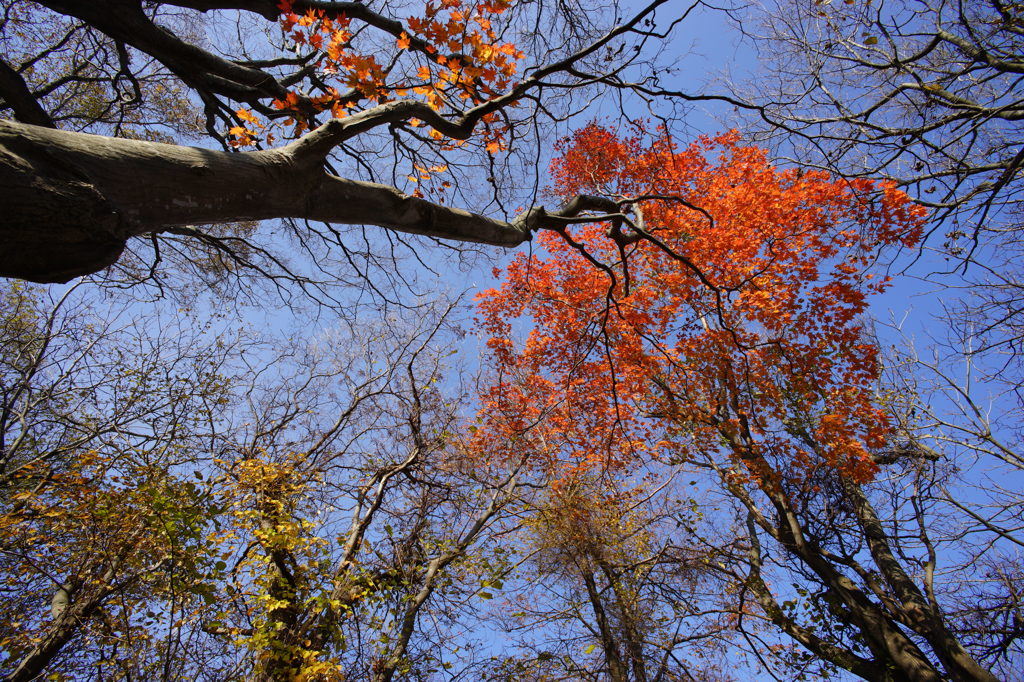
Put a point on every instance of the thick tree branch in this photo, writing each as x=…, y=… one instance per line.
x=19, y=98
x=125, y=21
x=71, y=200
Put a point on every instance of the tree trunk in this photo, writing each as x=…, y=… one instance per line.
x=616, y=667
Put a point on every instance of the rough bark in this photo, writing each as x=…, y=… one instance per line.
x=925, y=619
x=67, y=623
x=627, y=606
x=884, y=637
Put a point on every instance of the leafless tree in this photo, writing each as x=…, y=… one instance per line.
x=927, y=94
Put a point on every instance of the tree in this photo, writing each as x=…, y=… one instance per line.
x=423, y=87
x=926, y=94
x=614, y=590
x=959, y=485
x=172, y=508
x=101, y=518
x=745, y=249
x=722, y=330
x=178, y=500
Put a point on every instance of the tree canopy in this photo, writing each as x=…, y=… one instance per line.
x=258, y=423
x=731, y=343
x=735, y=289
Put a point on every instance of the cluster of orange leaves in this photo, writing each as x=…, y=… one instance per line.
x=461, y=58
x=738, y=334
x=248, y=133
x=331, y=37
x=477, y=65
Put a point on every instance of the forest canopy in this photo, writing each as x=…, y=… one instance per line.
x=277, y=401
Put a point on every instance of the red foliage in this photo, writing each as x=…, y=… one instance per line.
x=730, y=323
x=448, y=57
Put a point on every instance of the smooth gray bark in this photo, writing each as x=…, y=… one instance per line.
x=69, y=201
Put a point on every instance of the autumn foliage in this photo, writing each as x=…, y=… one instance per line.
x=719, y=312
x=448, y=56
